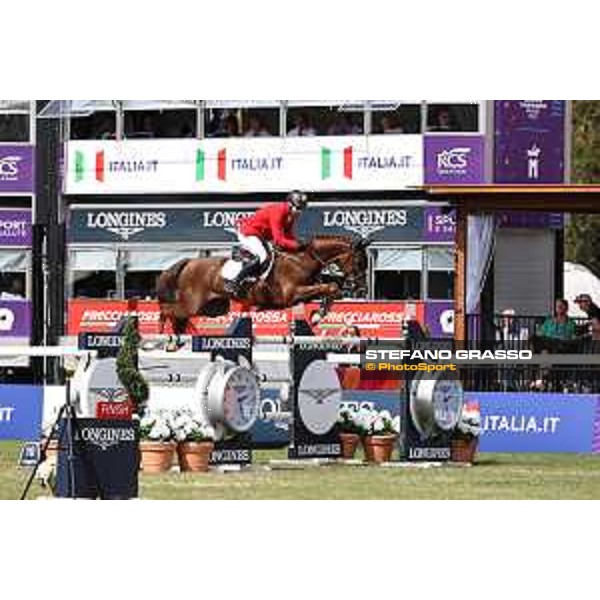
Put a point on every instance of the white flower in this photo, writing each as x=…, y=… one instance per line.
x=384, y=414
x=396, y=424
x=378, y=425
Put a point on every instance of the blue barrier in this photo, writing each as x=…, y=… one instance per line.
x=21, y=409
x=514, y=422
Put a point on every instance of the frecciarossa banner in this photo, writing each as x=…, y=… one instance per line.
x=373, y=319
x=376, y=162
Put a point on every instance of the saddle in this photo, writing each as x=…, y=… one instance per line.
x=240, y=258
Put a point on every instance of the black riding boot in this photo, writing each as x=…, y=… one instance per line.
x=250, y=269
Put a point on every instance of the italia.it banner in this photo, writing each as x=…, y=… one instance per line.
x=241, y=165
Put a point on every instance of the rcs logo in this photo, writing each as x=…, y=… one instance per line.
x=9, y=168
x=454, y=159
x=7, y=319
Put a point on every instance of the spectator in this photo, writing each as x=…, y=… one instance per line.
x=586, y=304
x=256, y=128
x=443, y=121
x=559, y=326
x=230, y=127
x=389, y=124
x=302, y=126
x=342, y=126
x=349, y=375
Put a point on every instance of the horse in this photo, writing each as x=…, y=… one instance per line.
x=195, y=287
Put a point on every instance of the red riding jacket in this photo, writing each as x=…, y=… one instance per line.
x=272, y=222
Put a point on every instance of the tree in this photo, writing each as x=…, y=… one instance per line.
x=127, y=367
x=582, y=238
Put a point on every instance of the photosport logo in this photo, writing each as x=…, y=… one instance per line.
x=126, y=224
x=9, y=168
x=13, y=229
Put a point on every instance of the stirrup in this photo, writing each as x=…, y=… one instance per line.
x=232, y=287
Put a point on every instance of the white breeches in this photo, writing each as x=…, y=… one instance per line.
x=254, y=245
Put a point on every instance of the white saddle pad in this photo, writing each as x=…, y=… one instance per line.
x=231, y=269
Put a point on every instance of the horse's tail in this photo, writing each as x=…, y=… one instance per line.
x=166, y=289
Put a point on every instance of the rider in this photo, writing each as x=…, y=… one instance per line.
x=271, y=223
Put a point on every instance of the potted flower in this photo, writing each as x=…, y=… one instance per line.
x=350, y=433
x=379, y=434
x=465, y=440
x=156, y=443
x=195, y=443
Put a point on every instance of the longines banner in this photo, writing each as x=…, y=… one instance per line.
x=237, y=165
x=217, y=225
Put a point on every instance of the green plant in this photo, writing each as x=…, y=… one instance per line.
x=127, y=367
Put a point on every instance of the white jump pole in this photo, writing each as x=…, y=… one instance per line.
x=45, y=351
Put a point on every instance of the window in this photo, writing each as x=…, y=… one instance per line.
x=306, y=118
x=94, y=273
x=101, y=125
x=405, y=118
x=15, y=120
x=440, y=273
x=13, y=274
x=143, y=268
x=398, y=274
x=226, y=118
x=450, y=117
x=159, y=119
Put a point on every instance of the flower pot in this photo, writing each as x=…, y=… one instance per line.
x=464, y=450
x=194, y=457
x=350, y=443
x=157, y=457
x=379, y=448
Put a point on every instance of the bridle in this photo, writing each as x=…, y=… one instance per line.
x=351, y=278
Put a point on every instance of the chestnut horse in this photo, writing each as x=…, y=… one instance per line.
x=196, y=287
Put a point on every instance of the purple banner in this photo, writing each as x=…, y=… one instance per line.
x=439, y=226
x=15, y=318
x=454, y=159
x=530, y=141
x=16, y=169
x=15, y=228
x=439, y=318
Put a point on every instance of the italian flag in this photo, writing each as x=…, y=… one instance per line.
x=99, y=166
x=326, y=155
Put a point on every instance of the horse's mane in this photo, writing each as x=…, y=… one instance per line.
x=334, y=238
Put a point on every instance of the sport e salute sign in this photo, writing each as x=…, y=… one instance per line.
x=242, y=165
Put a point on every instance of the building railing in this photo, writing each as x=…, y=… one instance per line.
x=503, y=332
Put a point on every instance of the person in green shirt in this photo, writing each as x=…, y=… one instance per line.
x=559, y=326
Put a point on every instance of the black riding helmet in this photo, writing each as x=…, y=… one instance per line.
x=298, y=200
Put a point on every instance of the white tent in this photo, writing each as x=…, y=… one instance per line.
x=580, y=280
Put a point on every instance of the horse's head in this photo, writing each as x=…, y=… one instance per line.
x=348, y=254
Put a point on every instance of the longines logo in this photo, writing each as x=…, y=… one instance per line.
x=224, y=220
x=208, y=344
x=106, y=437
x=319, y=396
x=365, y=222
x=126, y=224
